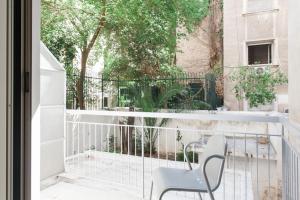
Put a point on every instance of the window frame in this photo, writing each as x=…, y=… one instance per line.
x=259, y=43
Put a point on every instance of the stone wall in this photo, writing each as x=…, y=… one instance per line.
x=202, y=48
x=194, y=50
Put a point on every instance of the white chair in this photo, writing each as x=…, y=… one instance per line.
x=205, y=179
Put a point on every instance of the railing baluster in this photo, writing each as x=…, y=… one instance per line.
x=158, y=147
x=175, y=149
x=114, y=141
x=135, y=157
x=74, y=130
x=83, y=140
x=89, y=148
x=293, y=176
x=166, y=147
x=128, y=154
x=288, y=174
x=246, y=163
x=151, y=129
x=262, y=183
x=107, y=139
x=115, y=167
x=121, y=128
x=297, y=183
x=95, y=150
x=78, y=147
x=269, y=167
x=143, y=159
x=234, y=166
x=257, y=168
x=224, y=177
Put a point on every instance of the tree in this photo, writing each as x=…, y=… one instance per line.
x=136, y=37
x=143, y=35
x=78, y=25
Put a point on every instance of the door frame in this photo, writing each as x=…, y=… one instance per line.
x=19, y=95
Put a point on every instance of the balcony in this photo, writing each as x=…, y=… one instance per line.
x=111, y=155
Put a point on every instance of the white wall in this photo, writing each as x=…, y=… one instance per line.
x=52, y=114
x=35, y=139
x=3, y=99
x=294, y=68
x=294, y=61
x=241, y=27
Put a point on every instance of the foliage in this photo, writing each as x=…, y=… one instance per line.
x=257, y=86
x=200, y=105
x=192, y=156
x=135, y=37
x=139, y=37
x=68, y=26
x=90, y=86
x=148, y=103
x=55, y=36
x=143, y=34
x=72, y=77
x=72, y=28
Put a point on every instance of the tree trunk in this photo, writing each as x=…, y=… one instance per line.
x=80, y=82
x=215, y=30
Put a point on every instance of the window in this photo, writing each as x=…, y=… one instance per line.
x=260, y=54
x=259, y=5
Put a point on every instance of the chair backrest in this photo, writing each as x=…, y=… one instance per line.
x=216, y=145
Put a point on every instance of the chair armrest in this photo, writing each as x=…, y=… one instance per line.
x=216, y=156
x=185, y=152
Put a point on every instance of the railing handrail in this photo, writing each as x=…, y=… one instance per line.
x=203, y=131
x=291, y=125
x=203, y=115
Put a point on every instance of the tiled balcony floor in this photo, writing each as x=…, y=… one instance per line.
x=100, y=175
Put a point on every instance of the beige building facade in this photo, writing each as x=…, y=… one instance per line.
x=194, y=51
x=201, y=50
x=294, y=71
x=256, y=35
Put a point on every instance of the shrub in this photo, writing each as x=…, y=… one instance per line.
x=257, y=86
x=180, y=156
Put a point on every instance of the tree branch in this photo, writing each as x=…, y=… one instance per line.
x=99, y=27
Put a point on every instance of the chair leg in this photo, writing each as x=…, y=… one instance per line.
x=211, y=195
x=151, y=190
x=200, y=196
x=160, y=198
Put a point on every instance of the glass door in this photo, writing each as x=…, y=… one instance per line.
x=3, y=139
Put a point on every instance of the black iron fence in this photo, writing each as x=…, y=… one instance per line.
x=189, y=91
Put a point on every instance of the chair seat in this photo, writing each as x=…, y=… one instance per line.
x=166, y=179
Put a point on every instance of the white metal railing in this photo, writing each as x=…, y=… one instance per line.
x=290, y=160
x=103, y=145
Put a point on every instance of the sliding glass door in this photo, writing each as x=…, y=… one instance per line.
x=19, y=77
x=3, y=103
